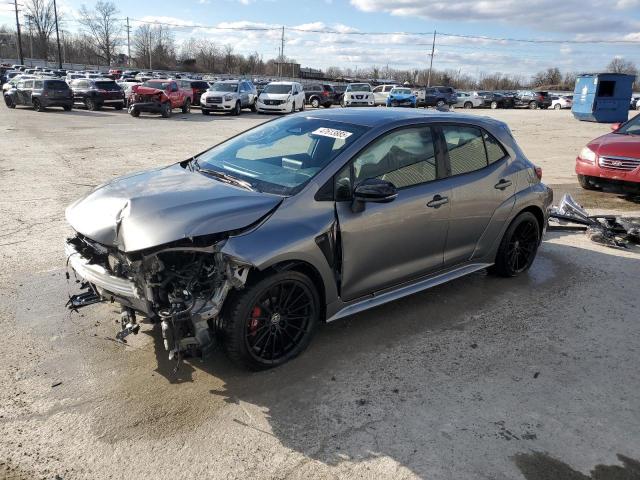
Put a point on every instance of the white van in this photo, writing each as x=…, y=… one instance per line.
x=281, y=97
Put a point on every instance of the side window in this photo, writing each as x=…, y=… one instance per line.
x=20, y=85
x=466, y=148
x=404, y=157
x=37, y=84
x=28, y=84
x=495, y=151
x=377, y=89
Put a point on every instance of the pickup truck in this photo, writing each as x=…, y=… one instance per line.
x=159, y=96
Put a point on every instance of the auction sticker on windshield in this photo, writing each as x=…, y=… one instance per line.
x=331, y=132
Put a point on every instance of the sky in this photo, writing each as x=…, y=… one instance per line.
x=357, y=27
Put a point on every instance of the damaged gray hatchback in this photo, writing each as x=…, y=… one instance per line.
x=304, y=219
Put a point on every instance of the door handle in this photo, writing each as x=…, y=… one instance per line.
x=437, y=201
x=502, y=184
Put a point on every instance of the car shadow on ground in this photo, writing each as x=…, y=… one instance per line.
x=345, y=400
x=414, y=382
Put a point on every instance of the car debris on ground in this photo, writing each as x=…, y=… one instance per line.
x=609, y=230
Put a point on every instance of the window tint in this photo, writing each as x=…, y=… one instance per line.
x=28, y=84
x=495, y=151
x=37, y=84
x=405, y=157
x=466, y=149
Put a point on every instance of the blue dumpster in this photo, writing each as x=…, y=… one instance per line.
x=602, y=97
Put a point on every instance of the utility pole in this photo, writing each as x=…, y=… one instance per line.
x=150, y=47
x=29, y=20
x=15, y=3
x=433, y=49
x=55, y=14
x=128, y=44
x=281, y=69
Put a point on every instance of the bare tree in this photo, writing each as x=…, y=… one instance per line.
x=43, y=21
x=620, y=65
x=103, y=27
x=228, y=58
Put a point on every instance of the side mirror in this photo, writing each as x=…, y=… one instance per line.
x=615, y=126
x=373, y=190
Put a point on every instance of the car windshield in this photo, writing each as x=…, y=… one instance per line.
x=281, y=156
x=224, y=87
x=401, y=91
x=157, y=84
x=358, y=87
x=632, y=127
x=277, y=88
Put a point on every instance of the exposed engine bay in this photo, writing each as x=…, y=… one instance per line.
x=182, y=288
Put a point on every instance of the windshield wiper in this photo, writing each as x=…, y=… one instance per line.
x=223, y=177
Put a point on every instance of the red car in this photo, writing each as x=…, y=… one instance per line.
x=612, y=161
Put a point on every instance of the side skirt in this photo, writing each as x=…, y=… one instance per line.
x=389, y=295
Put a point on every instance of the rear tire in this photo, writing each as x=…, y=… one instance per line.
x=119, y=106
x=315, y=103
x=135, y=112
x=494, y=105
x=518, y=247
x=440, y=103
x=186, y=108
x=533, y=105
x=557, y=106
x=270, y=321
x=468, y=105
x=67, y=108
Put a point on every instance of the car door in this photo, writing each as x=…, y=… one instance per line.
x=300, y=101
x=26, y=92
x=482, y=191
x=430, y=97
x=18, y=94
x=378, y=95
x=244, y=94
x=386, y=244
x=174, y=94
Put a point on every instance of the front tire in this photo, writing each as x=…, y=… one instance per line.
x=440, y=103
x=90, y=104
x=494, y=105
x=9, y=102
x=533, y=105
x=205, y=112
x=166, y=110
x=315, y=103
x=584, y=182
x=468, y=105
x=518, y=247
x=37, y=106
x=270, y=321
x=237, y=109
x=67, y=108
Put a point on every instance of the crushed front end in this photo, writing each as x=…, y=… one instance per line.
x=181, y=286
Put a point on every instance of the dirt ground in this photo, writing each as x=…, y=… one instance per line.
x=483, y=378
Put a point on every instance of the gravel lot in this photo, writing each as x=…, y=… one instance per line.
x=484, y=378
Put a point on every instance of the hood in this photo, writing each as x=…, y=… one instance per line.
x=142, y=90
x=401, y=96
x=274, y=96
x=616, y=145
x=155, y=207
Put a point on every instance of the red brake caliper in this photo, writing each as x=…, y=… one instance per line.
x=253, y=324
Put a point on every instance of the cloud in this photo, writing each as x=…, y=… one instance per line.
x=545, y=15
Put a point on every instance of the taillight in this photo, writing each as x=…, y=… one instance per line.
x=538, y=172
x=325, y=93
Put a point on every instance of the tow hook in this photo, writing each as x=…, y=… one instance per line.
x=128, y=324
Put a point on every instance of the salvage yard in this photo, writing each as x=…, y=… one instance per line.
x=483, y=378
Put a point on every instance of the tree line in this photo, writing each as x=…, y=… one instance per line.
x=102, y=37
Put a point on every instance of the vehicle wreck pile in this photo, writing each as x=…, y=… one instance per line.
x=610, y=230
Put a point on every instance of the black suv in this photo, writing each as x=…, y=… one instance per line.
x=40, y=94
x=532, y=100
x=439, y=96
x=319, y=94
x=96, y=93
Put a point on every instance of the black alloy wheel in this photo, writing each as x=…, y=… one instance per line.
x=271, y=321
x=519, y=246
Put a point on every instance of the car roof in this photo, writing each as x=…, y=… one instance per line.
x=373, y=117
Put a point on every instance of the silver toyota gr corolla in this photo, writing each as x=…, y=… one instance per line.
x=305, y=219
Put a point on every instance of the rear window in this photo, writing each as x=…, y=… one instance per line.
x=199, y=85
x=56, y=84
x=107, y=86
